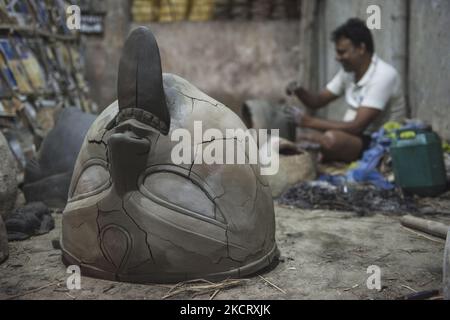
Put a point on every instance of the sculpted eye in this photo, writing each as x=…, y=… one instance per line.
x=182, y=193
x=92, y=179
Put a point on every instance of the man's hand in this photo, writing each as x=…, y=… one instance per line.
x=292, y=87
x=364, y=117
x=297, y=116
x=309, y=99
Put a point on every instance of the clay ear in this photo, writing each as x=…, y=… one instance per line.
x=140, y=89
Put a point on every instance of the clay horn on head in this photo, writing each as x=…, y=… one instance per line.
x=140, y=86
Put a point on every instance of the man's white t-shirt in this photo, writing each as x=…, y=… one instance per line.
x=379, y=88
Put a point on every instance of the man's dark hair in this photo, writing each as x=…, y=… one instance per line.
x=356, y=30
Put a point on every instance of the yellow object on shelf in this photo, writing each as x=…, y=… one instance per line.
x=35, y=73
x=19, y=74
x=173, y=10
x=145, y=10
x=201, y=10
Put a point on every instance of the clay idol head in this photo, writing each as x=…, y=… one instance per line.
x=133, y=214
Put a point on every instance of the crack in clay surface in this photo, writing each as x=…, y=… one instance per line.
x=217, y=105
x=140, y=228
x=223, y=247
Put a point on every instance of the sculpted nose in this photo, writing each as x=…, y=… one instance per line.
x=127, y=155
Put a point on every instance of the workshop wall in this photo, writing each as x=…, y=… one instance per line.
x=103, y=52
x=429, y=68
x=232, y=60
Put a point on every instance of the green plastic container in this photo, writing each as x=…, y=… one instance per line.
x=418, y=162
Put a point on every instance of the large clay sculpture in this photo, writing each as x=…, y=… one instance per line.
x=134, y=215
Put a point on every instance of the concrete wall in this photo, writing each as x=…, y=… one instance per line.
x=429, y=63
x=232, y=61
x=102, y=54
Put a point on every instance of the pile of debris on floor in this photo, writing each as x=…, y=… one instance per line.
x=362, y=199
x=405, y=171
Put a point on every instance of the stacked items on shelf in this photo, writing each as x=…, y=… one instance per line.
x=222, y=9
x=258, y=9
x=203, y=10
x=40, y=71
x=241, y=9
x=292, y=9
x=172, y=10
x=261, y=9
x=145, y=10
x=279, y=9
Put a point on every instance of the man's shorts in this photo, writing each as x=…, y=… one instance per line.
x=366, y=141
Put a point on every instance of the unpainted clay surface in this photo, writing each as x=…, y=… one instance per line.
x=133, y=215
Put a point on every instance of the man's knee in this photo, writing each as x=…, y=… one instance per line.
x=331, y=140
x=341, y=146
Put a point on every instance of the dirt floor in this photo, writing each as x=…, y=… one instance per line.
x=324, y=255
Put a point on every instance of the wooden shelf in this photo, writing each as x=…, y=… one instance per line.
x=35, y=32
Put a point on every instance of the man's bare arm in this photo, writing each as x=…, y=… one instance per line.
x=314, y=101
x=364, y=117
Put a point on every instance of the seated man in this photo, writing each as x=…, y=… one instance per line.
x=373, y=92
